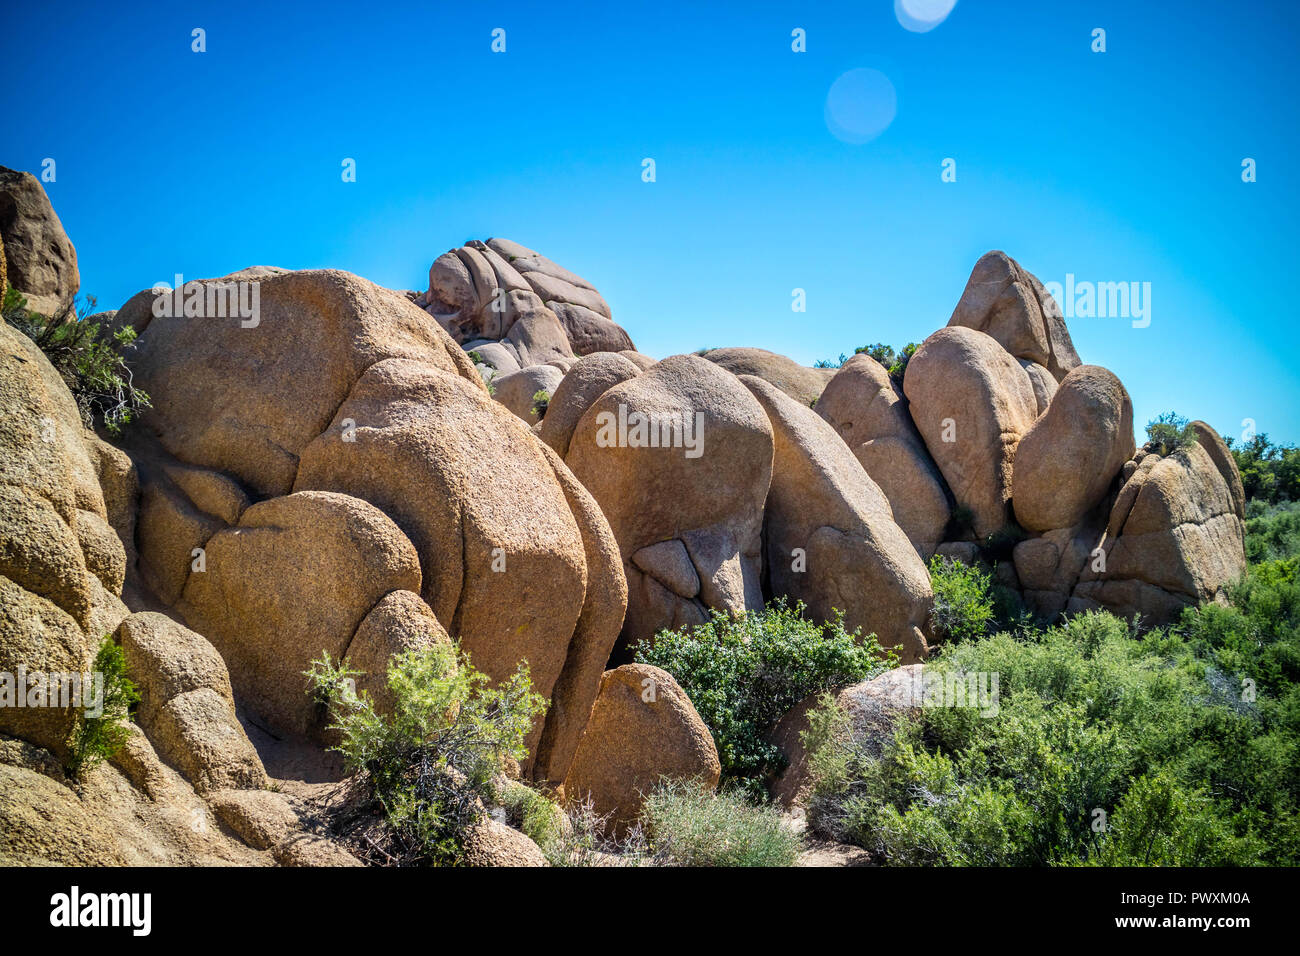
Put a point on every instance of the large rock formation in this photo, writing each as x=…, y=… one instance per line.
x=1174, y=537
x=1066, y=461
x=972, y=403
x=344, y=387
x=830, y=536
x=679, y=459
x=502, y=296
x=294, y=578
x=868, y=410
x=66, y=494
x=61, y=565
x=1011, y=305
x=40, y=261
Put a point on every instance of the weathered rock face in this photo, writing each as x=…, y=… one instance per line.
x=591, y=377
x=874, y=707
x=40, y=261
x=1071, y=454
x=399, y=623
x=247, y=400
x=516, y=390
x=500, y=291
x=504, y=569
x=1175, y=534
x=1012, y=306
x=865, y=406
x=345, y=387
x=59, y=536
x=680, y=453
x=830, y=536
x=296, y=577
x=1048, y=566
x=802, y=384
x=603, y=610
x=642, y=728
x=61, y=564
x=972, y=403
x=187, y=708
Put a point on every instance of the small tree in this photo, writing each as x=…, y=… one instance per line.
x=90, y=363
x=99, y=737
x=1168, y=433
x=430, y=762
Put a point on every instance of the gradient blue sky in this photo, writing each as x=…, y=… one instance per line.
x=1122, y=166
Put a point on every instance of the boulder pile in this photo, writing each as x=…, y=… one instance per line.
x=356, y=471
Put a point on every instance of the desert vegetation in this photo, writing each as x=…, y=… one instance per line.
x=1113, y=744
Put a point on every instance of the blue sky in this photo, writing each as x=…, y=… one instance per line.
x=1115, y=166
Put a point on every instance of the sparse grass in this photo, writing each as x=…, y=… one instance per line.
x=686, y=824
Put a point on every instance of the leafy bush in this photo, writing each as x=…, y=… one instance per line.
x=99, y=737
x=686, y=824
x=1272, y=532
x=1106, y=747
x=895, y=362
x=91, y=365
x=429, y=764
x=541, y=402
x=744, y=675
x=963, y=600
x=1168, y=433
x=1270, y=473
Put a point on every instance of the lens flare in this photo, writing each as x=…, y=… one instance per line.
x=922, y=16
x=860, y=105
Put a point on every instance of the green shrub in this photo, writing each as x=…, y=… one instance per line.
x=1168, y=433
x=1107, y=747
x=541, y=402
x=895, y=362
x=532, y=813
x=91, y=365
x=429, y=764
x=1269, y=472
x=97, y=738
x=686, y=824
x=1272, y=532
x=744, y=675
x=963, y=600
